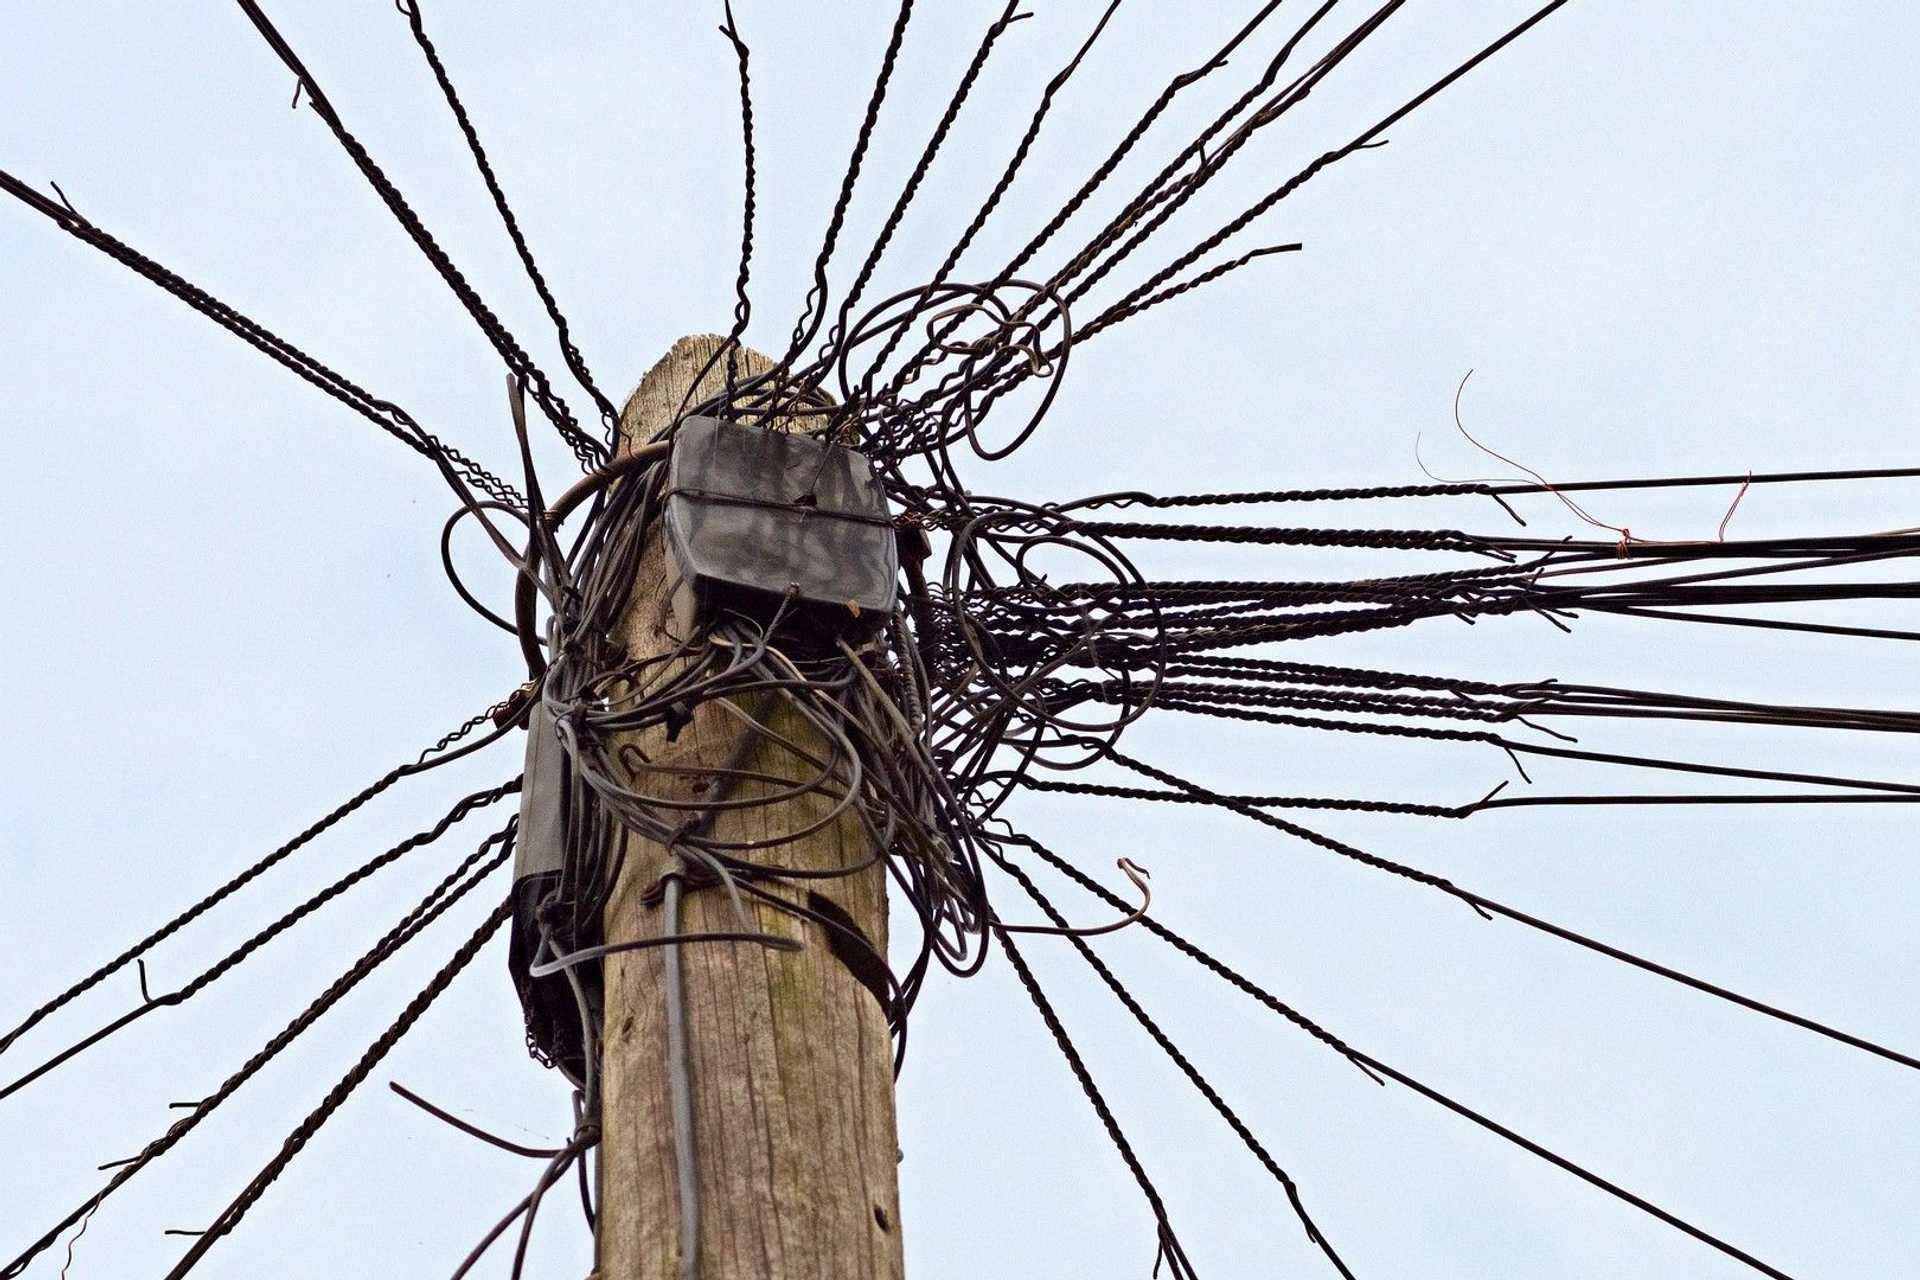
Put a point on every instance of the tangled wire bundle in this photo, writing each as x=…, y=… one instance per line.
x=1028, y=636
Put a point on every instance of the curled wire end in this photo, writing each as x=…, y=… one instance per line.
x=1720, y=534
x=84, y=1224
x=1134, y=872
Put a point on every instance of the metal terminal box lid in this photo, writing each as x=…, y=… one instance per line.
x=753, y=514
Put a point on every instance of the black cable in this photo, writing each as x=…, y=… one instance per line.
x=431, y=907
x=518, y=362
x=1488, y=906
x=814, y=310
x=742, y=305
x=304, y=1131
x=955, y=102
x=1169, y=1244
x=383, y=414
x=1378, y=1069
x=575, y=361
x=1179, y=1059
x=239, y=954
x=253, y=872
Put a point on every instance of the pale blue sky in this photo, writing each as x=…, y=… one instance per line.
x=1669, y=238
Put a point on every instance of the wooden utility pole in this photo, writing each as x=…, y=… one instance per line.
x=792, y=1071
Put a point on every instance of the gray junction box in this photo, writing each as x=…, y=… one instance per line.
x=753, y=516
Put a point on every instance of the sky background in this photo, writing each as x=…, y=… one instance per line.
x=1668, y=238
